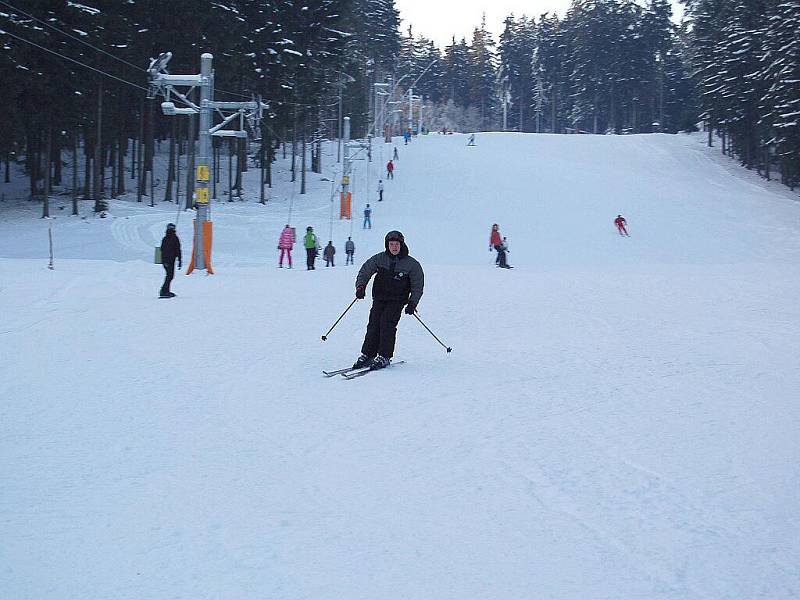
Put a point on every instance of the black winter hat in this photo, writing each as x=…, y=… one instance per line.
x=170, y=226
x=396, y=236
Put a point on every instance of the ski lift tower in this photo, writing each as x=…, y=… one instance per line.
x=165, y=84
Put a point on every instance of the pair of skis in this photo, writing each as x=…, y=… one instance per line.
x=351, y=373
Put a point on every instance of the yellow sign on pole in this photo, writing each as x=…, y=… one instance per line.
x=202, y=173
x=202, y=195
x=346, y=180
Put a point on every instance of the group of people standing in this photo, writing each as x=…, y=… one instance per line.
x=286, y=243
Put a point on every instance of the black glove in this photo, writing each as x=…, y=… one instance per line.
x=179, y=266
x=360, y=292
x=410, y=308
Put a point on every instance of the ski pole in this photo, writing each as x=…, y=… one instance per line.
x=433, y=334
x=325, y=337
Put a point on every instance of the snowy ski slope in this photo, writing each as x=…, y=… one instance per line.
x=618, y=418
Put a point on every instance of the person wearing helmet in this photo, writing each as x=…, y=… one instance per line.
x=399, y=282
x=170, y=251
x=310, y=244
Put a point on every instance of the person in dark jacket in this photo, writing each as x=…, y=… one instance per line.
x=399, y=281
x=170, y=251
x=328, y=253
x=367, y=217
x=349, y=250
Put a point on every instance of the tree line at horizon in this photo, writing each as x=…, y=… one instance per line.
x=605, y=66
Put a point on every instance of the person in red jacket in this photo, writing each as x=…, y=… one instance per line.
x=496, y=242
x=390, y=170
x=621, y=223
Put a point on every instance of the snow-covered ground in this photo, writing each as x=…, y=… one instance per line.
x=618, y=418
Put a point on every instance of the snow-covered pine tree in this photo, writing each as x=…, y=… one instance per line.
x=779, y=105
x=482, y=76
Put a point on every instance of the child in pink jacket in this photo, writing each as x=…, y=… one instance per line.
x=285, y=244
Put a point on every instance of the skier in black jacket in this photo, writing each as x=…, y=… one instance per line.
x=170, y=250
x=399, y=281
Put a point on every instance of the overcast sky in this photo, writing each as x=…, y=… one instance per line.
x=440, y=20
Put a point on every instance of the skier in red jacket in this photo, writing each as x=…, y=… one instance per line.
x=390, y=170
x=620, y=222
x=496, y=242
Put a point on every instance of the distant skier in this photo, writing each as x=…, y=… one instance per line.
x=501, y=256
x=349, y=250
x=496, y=242
x=328, y=253
x=399, y=281
x=367, y=218
x=310, y=244
x=471, y=141
x=390, y=170
x=380, y=190
x=170, y=251
x=395, y=156
x=621, y=223
x=285, y=245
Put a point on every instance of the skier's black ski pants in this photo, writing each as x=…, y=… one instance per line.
x=382, y=328
x=501, y=256
x=169, y=267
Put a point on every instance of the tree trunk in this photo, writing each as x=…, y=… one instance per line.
x=98, y=153
x=294, y=145
x=47, y=149
x=149, y=137
x=230, y=171
x=143, y=150
x=171, y=166
x=113, y=161
x=190, y=162
x=178, y=148
x=139, y=155
x=88, y=152
x=122, y=145
x=134, y=147
x=270, y=156
x=75, y=173
x=57, y=161
x=30, y=162
x=261, y=175
x=237, y=144
x=303, y=159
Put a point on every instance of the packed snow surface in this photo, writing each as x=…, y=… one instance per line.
x=618, y=419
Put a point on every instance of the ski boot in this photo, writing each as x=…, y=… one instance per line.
x=362, y=362
x=379, y=362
